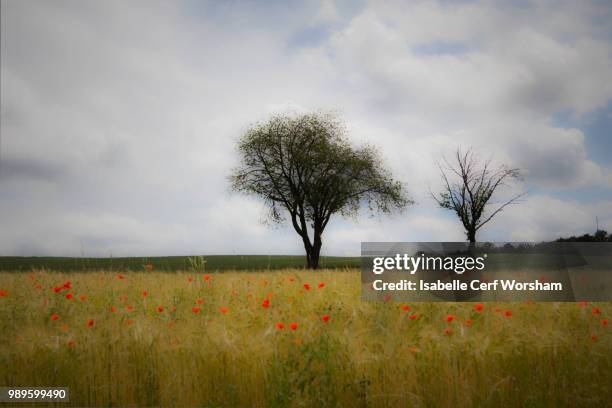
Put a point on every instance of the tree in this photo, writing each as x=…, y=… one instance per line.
x=469, y=187
x=304, y=167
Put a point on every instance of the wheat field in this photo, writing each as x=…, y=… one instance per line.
x=291, y=338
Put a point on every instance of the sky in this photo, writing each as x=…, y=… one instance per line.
x=119, y=119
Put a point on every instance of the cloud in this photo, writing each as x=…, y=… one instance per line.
x=119, y=119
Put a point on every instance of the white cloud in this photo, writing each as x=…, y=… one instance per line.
x=119, y=118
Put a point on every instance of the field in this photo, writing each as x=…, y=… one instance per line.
x=291, y=338
x=170, y=263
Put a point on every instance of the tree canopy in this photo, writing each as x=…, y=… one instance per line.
x=304, y=167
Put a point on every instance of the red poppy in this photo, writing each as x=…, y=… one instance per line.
x=280, y=326
x=83, y=298
x=145, y=293
x=583, y=304
x=149, y=267
x=71, y=344
x=206, y=277
x=224, y=310
x=508, y=313
x=67, y=285
x=291, y=279
x=54, y=317
x=413, y=316
x=129, y=322
x=113, y=309
x=3, y=293
x=199, y=301
x=58, y=289
x=190, y=279
x=129, y=308
x=69, y=296
x=90, y=323
x=405, y=308
x=294, y=326
x=604, y=322
x=38, y=286
x=479, y=307
x=266, y=303
x=450, y=318
x=448, y=331
x=596, y=311
x=306, y=286
x=196, y=310
x=325, y=318
x=321, y=285
x=160, y=309
x=594, y=338
x=120, y=276
x=468, y=322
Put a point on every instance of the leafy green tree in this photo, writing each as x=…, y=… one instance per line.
x=303, y=167
x=469, y=187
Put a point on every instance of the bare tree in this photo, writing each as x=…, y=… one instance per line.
x=469, y=186
x=304, y=167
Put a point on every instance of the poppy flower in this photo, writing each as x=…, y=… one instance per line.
x=196, y=310
x=294, y=326
x=413, y=316
x=508, y=313
x=199, y=301
x=479, y=307
x=38, y=286
x=129, y=308
x=149, y=267
x=468, y=322
x=604, y=322
x=58, y=289
x=113, y=309
x=596, y=311
x=90, y=323
x=291, y=279
x=83, y=298
x=160, y=309
x=206, y=277
x=594, y=338
x=280, y=326
x=306, y=286
x=448, y=331
x=321, y=285
x=69, y=296
x=120, y=277
x=413, y=349
x=266, y=303
x=450, y=318
x=325, y=318
x=54, y=317
x=405, y=308
x=71, y=344
x=190, y=279
x=583, y=304
x=129, y=322
x=67, y=285
x=224, y=310
x=145, y=293
x=3, y=293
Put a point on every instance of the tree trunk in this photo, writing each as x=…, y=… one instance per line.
x=313, y=252
x=471, y=235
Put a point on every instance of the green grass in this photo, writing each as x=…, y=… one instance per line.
x=170, y=263
x=367, y=354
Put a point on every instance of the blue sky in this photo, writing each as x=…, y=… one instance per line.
x=119, y=118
